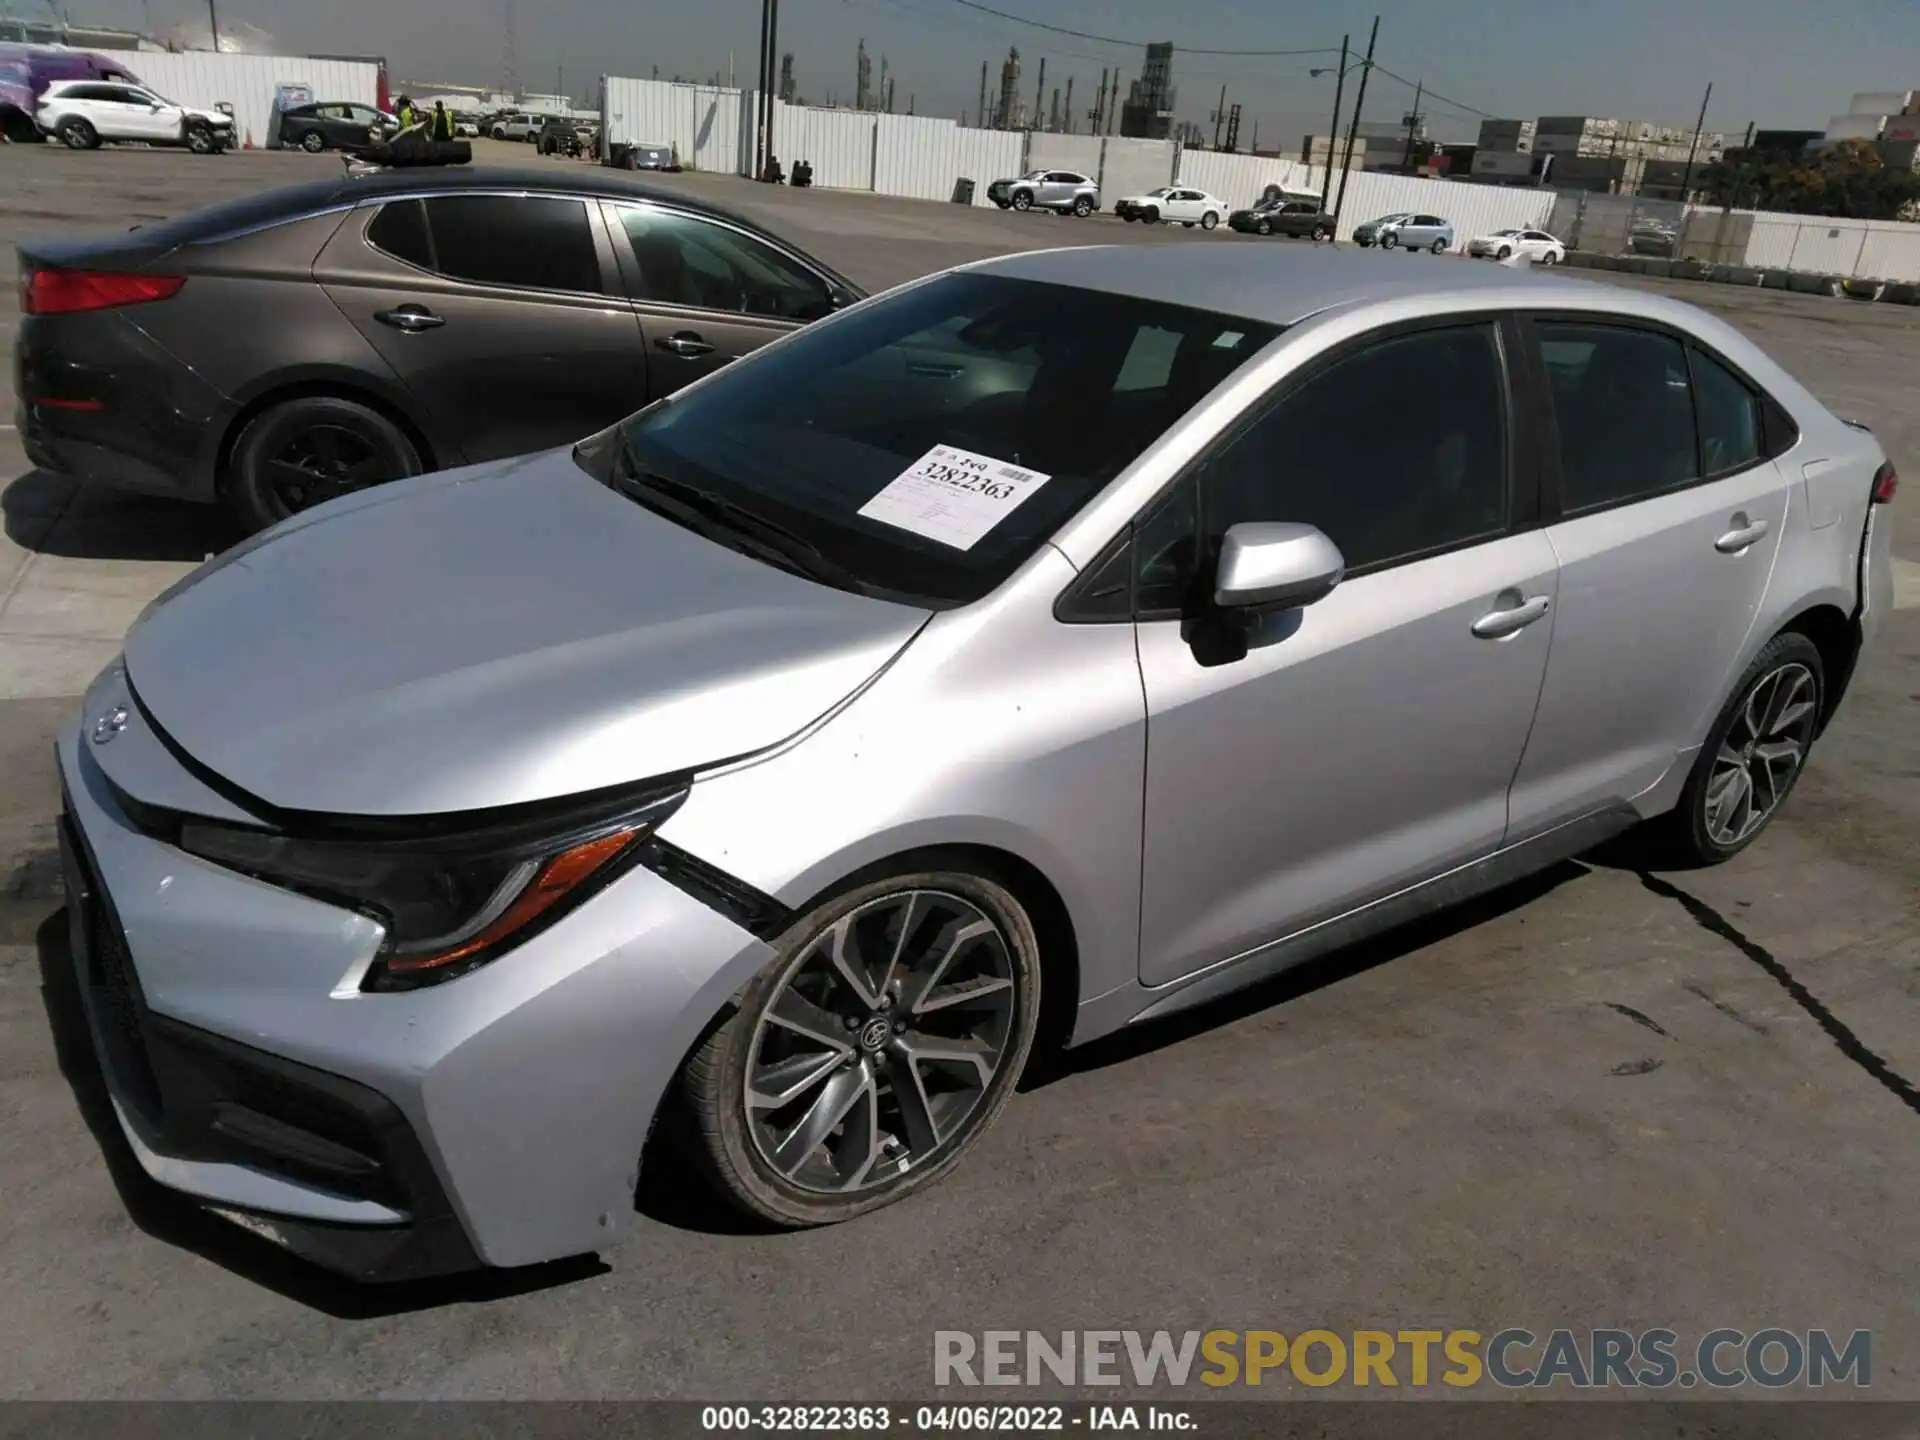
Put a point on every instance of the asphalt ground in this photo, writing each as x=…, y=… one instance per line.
x=1600, y=1098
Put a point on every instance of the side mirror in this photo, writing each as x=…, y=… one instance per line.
x=1270, y=566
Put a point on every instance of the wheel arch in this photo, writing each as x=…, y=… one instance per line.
x=304, y=387
x=1836, y=635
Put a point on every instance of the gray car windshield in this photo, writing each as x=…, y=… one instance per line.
x=924, y=445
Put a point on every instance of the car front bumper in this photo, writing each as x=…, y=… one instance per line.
x=497, y=1119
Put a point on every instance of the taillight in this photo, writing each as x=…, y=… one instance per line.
x=1885, y=481
x=62, y=292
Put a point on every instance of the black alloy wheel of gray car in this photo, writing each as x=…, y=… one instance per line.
x=1755, y=752
x=77, y=134
x=1082, y=206
x=867, y=1058
x=1209, y=220
x=1023, y=200
x=296, y=454
x=200, y=138
x=313, y=142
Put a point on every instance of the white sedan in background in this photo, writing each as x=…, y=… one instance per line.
x=1535, y=245
x=1175, y=205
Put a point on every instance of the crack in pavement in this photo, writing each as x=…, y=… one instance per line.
x=1848, y=1043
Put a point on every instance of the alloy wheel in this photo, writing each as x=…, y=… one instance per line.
x=1761, y=753
x=322, y=462
x=880, y=1042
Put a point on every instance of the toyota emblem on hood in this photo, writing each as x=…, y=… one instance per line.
x=109, y=725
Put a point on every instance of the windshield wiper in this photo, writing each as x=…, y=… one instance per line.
x=705, y=512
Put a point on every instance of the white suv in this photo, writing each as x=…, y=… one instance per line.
x=82, y=113
x=518, y=127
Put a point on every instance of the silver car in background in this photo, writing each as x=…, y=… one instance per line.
x=1030, y=652
x=1406, y=231
x=1066, y=191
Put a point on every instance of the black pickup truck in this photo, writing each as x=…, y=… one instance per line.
x=1303, y=219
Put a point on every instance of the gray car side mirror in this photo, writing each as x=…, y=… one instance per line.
x=1269, y=566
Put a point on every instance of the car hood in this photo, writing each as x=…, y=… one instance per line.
x=212, y=117
x=491, y=636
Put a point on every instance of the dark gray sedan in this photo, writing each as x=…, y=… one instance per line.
x=279, y=350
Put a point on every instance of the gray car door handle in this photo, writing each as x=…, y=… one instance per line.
x=1498, y=624
x=411, y=318
x=684, y=342
x=1734, y=541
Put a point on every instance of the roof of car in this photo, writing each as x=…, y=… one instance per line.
x=1255, y=282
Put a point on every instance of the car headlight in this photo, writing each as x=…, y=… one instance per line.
x=448, y=903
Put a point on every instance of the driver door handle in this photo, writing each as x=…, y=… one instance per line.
x=1738, y=539
x=410, y=318
x=1510, y=620
x=684, y=343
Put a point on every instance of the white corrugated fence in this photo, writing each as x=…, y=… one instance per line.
x=922, y=157
x=207, y=79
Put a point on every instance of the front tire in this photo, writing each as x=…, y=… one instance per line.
x=1389, y=242
x=300, y=453
x=1753, y=756
x=200, y=140
x=77, y=134
x=1150, y=216
x=1505, y=253
x=1023, y=201
x=1547, y=257
x=1209, y=220
x=312, y=142
x=869, y=1057
x=1263, y=228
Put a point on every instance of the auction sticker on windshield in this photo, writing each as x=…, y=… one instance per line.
x=953, y=496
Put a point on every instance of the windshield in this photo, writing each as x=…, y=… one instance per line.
x=924, y=445
x=1034, y=175
x=1506, y=232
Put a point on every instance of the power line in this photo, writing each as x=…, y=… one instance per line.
x=1432, y=94
x=1136, y=44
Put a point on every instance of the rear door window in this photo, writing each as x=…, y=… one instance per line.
x=1623, y=410
x=532, y=242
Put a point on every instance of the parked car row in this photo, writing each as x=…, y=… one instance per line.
x=598, y=779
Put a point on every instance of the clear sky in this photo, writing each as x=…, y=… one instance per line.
x=1778, y=63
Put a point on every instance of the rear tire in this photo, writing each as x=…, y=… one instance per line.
x=77, y=134
x=1082, y=206
x=1754, y=754
x=840, y=1056
x=313, y=142
x=1440, y=247
x=302, y=452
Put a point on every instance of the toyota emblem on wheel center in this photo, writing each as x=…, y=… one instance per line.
x=875, y=1034
x=109, y=725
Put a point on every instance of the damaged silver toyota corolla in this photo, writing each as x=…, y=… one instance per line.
x=1035, y=650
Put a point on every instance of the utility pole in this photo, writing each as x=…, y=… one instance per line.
x=1413, y=121
x=1686, y=176
x=1068, y=110
x=760, y=99
x=1219, y=114
x=1333, y=130
x=982, y=111
x=1734, y=182
x=213, y=22
x=1113, y=100
x=1039, y=94
x=1359, y=103
x=890, y=85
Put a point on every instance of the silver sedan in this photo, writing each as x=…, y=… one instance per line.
x=1030, y=652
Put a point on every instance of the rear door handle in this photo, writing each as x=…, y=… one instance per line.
x=1511, y=619
x=410, y=318
x=685, y=343
x=1738, y=539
